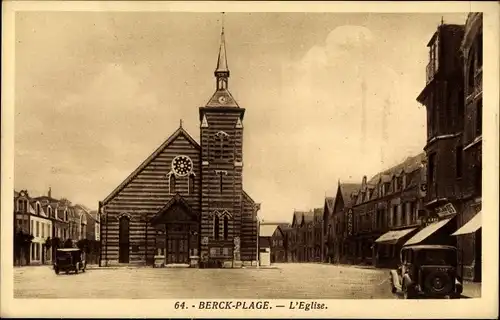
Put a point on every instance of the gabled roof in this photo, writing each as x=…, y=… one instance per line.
x=348, y=189
x=176, y=199
x=285, y=227
x=95, y=215
x=298, y=217
x=308, y=216
x=409, y=165
x=179, y=132
x=329, y=202
x=318, y=214
x=246, y=195
x=267, y=230
x=222, y=98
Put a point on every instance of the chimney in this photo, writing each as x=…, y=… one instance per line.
x=49, y=194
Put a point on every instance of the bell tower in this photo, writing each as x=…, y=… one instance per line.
x=221, y=135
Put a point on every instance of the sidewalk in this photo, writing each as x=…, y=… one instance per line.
x=472, y=289
x=358, y=266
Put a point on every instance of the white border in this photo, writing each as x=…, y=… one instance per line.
x=487, y=306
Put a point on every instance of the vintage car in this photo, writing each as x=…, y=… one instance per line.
x=427, y=271
x=69, y=259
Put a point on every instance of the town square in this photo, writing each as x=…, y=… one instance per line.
x=165, y=155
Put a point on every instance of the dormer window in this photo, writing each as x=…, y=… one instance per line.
x=49, y=211
x=22, y=205
x=38, y=208
x=65, y=215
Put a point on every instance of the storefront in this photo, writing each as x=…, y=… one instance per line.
x=388, y=245
x=469, y=244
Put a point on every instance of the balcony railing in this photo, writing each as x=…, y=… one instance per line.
x=430, y=71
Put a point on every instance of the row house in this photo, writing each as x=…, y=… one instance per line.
x=317, y=236
x=305, y=236
x=389, y=210
x=33, y=218
x=273, y=239
x=370, y=221
x=453, y=100
x=328, y=229
x=47, y=218
x=341, y=222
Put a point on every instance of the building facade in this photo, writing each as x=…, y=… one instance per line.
x=327, y=229
x=469, y=235
x=397, y=205
x=318, y=236
x=295, y=245
x=342, y=222
x=453, y=99
x=371, y=221
x=443, y=98
x=185, y=203
x=47, y=222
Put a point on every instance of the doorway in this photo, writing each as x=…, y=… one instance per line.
x=178, y=243
x=124, y=240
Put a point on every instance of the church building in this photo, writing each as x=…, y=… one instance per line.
x=185, y=204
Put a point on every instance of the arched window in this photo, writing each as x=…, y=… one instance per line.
x=124, y=239
x=191, y=184
x=220, y=142
x=216, y=227
x=226, y=227
x=65, y=215
x=172, y=183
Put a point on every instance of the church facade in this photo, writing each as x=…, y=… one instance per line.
x=185, y=204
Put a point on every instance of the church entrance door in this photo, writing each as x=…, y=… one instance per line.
x=177, y=243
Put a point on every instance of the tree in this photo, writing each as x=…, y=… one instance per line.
x=84, y=245
x=22, y=242
x=55, y=243
x=68, y=243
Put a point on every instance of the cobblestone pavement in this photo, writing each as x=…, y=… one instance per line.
x=286, y=281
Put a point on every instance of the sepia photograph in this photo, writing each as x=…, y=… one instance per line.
x=228, y=159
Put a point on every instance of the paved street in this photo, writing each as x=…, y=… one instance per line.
x=286, y=281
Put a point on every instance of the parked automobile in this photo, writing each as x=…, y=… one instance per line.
x=427, y=271
x=69, y=259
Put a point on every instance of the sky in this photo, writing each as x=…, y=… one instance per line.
x=96, y=93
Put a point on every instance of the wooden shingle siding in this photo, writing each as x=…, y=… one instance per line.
x=213, y=198
x=248, y=230
x=145, y=194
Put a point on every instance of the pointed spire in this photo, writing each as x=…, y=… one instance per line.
x=222, y=60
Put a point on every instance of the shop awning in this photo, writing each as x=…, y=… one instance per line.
x=472, y=226
x=391, y=237
x=427, y=231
